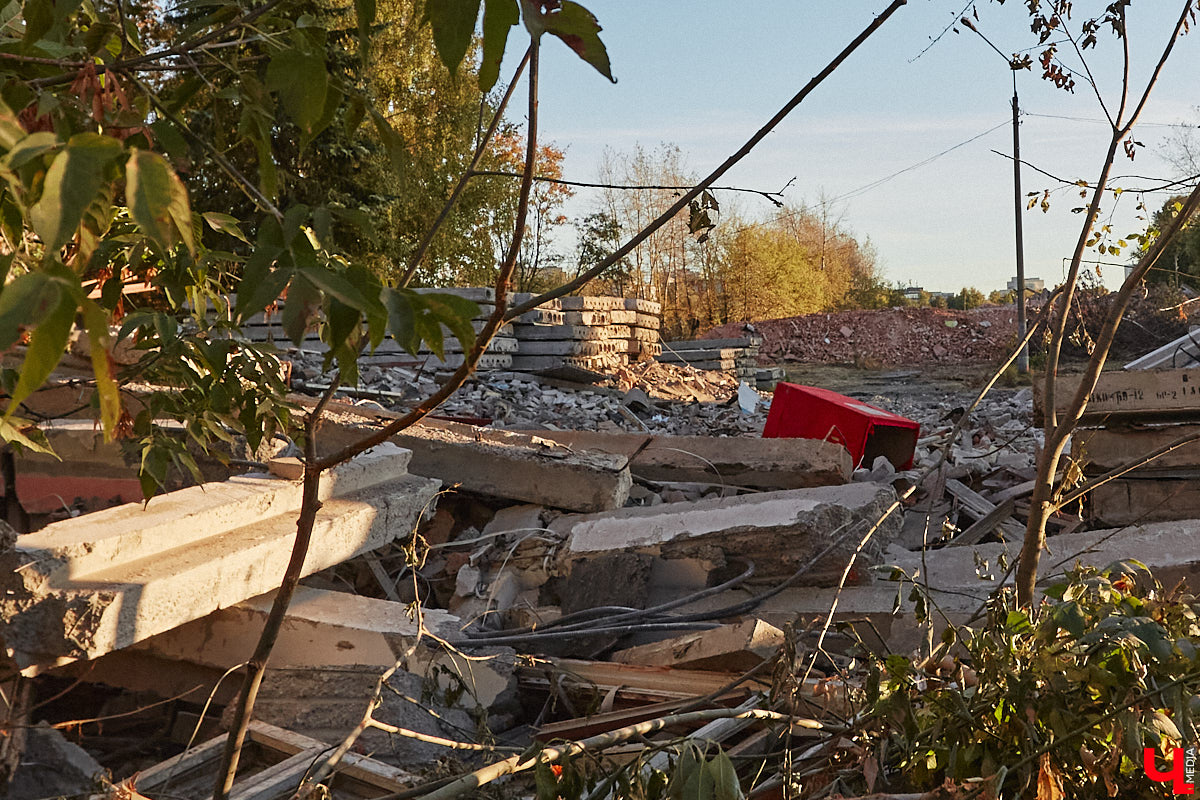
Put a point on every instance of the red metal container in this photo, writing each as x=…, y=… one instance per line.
x=806, y=412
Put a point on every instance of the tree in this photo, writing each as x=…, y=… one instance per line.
x=1051, y=21
x=1180, y=258
x=966, y=299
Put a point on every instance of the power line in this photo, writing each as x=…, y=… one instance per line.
x=918, y=165
x=1106, y=122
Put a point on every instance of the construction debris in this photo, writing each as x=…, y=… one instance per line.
x=778, y=531
x=93, y=584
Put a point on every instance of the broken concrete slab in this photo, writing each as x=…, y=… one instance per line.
x=90, y=585
x=731, y=648
x=326, y=704
x=1130, y=501
x=734, y=461
x=500, y=463
x=336, y=629
x=52, y=767
x=778, y=531
x=1104, y=449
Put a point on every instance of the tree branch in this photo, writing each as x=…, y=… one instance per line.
x=772, y=196
x=497, y=318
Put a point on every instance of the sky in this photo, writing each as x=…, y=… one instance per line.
x=899, y=139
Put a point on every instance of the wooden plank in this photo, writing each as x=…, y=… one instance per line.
x=277, y=782
x=1148, y=394
x=986, y=524
x=979, y=507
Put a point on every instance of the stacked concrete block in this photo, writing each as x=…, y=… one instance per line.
x=736, y=356
x=594, y=333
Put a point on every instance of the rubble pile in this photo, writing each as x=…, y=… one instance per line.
x=897, y=336
x=547, y=559
x=664, y=398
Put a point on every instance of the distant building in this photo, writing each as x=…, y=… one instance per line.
x=1035, y=285
x=913, y=293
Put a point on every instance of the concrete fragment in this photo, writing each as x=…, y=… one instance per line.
x=52, y=767
x=1129, y=501
x=735, y=461
x=730, y=648
x=517, y=466
x=1103, y=449
x=335, y=629
x=100, y=582
x=327, y=703
x=778, y=531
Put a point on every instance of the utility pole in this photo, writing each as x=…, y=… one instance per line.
x=1023, y=356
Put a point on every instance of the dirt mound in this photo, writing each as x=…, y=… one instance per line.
x=888, y=337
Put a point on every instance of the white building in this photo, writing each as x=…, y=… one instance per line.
x=1031, y=284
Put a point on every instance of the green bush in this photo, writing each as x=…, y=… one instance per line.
x=1064, y=697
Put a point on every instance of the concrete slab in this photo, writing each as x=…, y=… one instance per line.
x=335, y=629
x=90, y=585
x=501, y=463
x=778, y=531
x=730, y=648
x=734, y=461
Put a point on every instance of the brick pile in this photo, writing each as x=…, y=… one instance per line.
x=888, y=337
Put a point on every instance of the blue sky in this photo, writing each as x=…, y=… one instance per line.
x=705, y=75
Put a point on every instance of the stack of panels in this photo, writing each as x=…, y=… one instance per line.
x=593, y=333
x=736, y=356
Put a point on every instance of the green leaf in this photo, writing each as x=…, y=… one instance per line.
x=453, y=24
x=724, y=777
x=303, y=300
x=456, y=314
x=226, y=224
x=301, y=81
x=26, y=436
x=29, y=148
x=96, y=322
x=545, y=781
x=499, y=16
x=28, y=299
x=157, y=200
x=46, y=347
x=575, y=25
x=333, y=100
x=39, y=19
x=73, y=181
x=393, y=143
x=402, y=317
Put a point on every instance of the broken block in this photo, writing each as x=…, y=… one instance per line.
x=778, y=531
x=730, y=648
x=335, y=629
